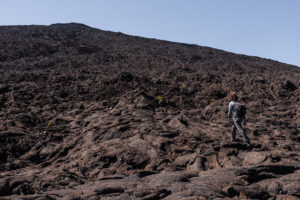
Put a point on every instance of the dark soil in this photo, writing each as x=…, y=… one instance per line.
x=91, y=114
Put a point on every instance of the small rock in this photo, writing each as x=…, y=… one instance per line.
x=109, y=190
x=230, y=191
x=182, y=161
x=253, y=158
x=286, y=197
x=71, y=197
x=275, y=188
x=277, y=133
x=253, y=191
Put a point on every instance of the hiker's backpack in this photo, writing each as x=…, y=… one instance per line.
x=240, y=109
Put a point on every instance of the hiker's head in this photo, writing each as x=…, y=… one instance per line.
x=233, y=97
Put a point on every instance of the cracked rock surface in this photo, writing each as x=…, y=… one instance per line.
x=91, y=114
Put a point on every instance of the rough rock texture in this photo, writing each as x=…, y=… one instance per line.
x=91, y=114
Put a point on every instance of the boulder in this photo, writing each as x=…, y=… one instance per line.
x=254, y=158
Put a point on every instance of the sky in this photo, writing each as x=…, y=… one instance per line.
x=264, y=28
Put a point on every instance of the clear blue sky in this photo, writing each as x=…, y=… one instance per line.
x=264, y=28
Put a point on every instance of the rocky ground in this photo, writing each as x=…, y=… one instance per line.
x=91, y=114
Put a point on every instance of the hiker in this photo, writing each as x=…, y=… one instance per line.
x=237, y=112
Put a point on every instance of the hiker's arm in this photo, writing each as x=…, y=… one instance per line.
x=229, y=111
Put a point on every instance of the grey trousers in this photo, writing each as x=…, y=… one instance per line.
x=237, y=124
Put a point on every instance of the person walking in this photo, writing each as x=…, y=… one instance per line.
x=237, y=115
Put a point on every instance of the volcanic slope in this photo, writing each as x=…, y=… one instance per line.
x=91, y=114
